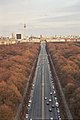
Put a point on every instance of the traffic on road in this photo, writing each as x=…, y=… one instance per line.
x=43, y=102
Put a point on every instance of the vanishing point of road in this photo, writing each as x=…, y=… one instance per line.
x=43, y=101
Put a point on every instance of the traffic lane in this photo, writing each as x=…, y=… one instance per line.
x=35, y=111
x=47, y=88
x=54, y=113
x=47, y=94
x=36, y=95
x=34, y=83
x=47, y=91
x=48, y=78
x=35, y=106
x=39, y=60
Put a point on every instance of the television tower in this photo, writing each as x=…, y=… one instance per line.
x=24, y=25
x=24, y=31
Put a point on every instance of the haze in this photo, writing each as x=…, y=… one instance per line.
x=47, y=17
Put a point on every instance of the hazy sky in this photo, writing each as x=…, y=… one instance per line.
x=46, y=17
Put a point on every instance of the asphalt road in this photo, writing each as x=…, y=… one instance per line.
x=42, y=87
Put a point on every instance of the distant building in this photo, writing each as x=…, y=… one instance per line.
x=41, y=36
x=17, y=36
x=13, y=35
x=7, y=41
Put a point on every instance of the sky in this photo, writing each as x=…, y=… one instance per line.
x=42, y=17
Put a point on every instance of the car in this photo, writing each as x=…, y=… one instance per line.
x=47, y=103
x=54, y=92
x=30, y=101
x=50, y=93
x=55, y=98
x=57, y=104
x=33, y=84
x=50, y=110
x=52, y=80
x=45, y=98
x=53, y=105
x=50, y=100
x=59, y=117
x=51, y=118
x=58, y=110
x=27, y=116
x=53, y=87
x=29, y=105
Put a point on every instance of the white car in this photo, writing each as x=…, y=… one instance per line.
x=30, y=101
x=27, y=116
x=50, y=100
x=54, y=92
x=29, y=105
x=45, y=98
x=50, y=110
x=53, y=87
x=55, y=99
x=57, y=104
x=51, y=118
x=50, y=93
x=33, y=84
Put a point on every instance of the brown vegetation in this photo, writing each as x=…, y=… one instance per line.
x=16, y=62
x=66, y=58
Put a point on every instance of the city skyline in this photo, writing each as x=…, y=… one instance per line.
x=46, y=17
